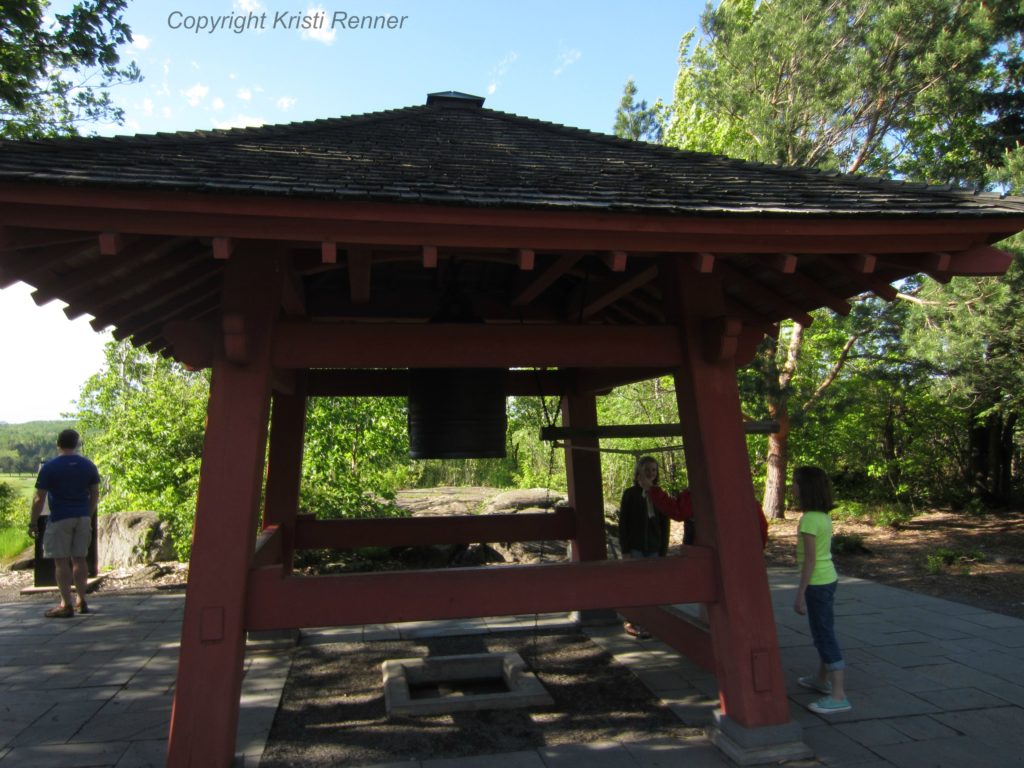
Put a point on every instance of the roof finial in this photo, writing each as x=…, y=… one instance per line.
x=454, y=99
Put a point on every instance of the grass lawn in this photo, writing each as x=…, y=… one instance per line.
x=13, y=541
x=25, y=485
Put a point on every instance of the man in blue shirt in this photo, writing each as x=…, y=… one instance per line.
x=71, y=484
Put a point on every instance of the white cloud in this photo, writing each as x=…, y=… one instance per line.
x=323, y=35
x=565, y=60
x=248, y=6
x=217, y=104
x=195, y=66
x=245, y=94
x=285, y=103
x=500, y=70
x=239, y=121
x=166, y=112
x=196, y=94
x=140, y=42
x=147, y=107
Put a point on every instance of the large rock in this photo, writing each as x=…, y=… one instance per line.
x=524, y=500
x=132, y=538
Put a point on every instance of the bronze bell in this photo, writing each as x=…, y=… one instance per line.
x=457, y=413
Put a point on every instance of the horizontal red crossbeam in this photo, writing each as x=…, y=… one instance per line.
x=443, y=345
x=559, y=524
x=276, y=601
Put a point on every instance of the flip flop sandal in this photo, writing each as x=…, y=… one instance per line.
x=60, y=613
x=83, y=607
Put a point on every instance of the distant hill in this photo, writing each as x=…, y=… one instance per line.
x=23, y=445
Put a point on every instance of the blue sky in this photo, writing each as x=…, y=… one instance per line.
x=565, y=61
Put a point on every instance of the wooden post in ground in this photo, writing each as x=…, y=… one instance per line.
x=284, y=461
x=744, y=640
x=583, y=473
x=204, y=718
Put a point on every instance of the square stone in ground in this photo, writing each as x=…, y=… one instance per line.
x=870, y=733
x=921, y=727
x=949, y=752
x=401, y=676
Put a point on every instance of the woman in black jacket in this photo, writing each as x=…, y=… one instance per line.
x=642, y=531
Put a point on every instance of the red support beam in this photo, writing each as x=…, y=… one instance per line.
x=204, y=718
x=748, y=665
x=444, y=345
x=612, y=295
x=276, y=601
x=418, y=531
x=583, y=473
x=677, y=630
x=284, y=463
x=543, y=281
x=270, y=548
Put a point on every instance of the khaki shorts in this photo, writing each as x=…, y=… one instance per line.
x=68, y=538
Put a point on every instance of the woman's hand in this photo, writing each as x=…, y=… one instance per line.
x=799, y=605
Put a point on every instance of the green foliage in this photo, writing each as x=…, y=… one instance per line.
x=942, y=558
x=635, y=120
x=873, y=85
x=355, y=456
x=24, y=446
x=55, y=76
x=142, y=418
x=877, y=513
x=11, y=511
x=13, y=541
x=848, y=544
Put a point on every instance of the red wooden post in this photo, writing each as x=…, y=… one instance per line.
x=204, y=717
x=284, y=462
x=583, y=472
x=749, y=668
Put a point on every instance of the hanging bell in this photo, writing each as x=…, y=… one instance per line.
x=457, y=413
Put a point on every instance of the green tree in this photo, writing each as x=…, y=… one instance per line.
x=635, y=120
x=55, y=76
x=355, y=456
x=9, y=506
x=850, y=85
x=142, y=418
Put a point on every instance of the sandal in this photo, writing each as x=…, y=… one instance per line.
x=83, y=606
x=60, y=612
x=638, y=632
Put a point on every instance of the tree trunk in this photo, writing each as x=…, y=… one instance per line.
x=778, y=461
x=774, y=502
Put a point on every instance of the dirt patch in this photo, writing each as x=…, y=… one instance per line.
x=973, y=559
x=332, y=710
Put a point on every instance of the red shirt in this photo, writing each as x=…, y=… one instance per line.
x=681, y=508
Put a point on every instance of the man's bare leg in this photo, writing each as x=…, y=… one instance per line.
x=81, y=577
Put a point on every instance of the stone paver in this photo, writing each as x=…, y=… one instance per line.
x=933, y=683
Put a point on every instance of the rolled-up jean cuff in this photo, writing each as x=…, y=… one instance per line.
x=836, y=666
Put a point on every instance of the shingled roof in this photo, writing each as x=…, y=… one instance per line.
x=388, y=216
x=455, y=152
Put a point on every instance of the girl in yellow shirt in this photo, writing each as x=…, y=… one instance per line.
x=812, y=495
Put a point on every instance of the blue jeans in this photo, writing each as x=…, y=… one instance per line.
x=820, y=599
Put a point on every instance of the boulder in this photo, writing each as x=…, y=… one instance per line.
x=528, y=499
x=132, y=538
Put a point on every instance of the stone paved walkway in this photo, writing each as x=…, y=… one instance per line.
x=933, y=683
